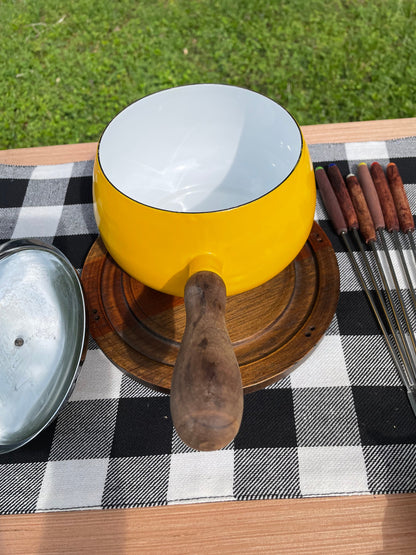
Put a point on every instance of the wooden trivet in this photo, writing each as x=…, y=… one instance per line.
x=272, y=327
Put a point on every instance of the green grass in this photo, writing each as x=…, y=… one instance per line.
x=67, y=67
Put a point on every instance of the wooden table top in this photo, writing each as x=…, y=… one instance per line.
x=356, y=524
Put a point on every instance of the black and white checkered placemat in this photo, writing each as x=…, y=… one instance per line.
x=340, y=424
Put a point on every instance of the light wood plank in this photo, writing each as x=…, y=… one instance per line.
x=344, y=525
x=45, y=155
x=360, y=131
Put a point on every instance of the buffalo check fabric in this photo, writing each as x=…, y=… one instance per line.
x=339, y=424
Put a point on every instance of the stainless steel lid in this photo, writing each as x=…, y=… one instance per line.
x=42, y=338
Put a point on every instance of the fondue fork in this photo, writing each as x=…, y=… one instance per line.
x=357, y=215
x=385, y=207
x=402, y=204
x=338, y=221
x=392, y=205
x=367, y=229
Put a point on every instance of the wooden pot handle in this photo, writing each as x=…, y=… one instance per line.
x=206, y=399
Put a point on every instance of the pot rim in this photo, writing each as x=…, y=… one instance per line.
x=98, y=159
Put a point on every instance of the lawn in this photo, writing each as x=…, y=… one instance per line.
x=68, y=67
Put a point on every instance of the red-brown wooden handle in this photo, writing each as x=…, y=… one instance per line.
x=385, y=197
x=365, y=220
x=341, y=192
x=206, y=398
x=400, y=198
x=330, y=201
x=371, y=196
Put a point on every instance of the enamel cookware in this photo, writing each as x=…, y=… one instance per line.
x=204, y=191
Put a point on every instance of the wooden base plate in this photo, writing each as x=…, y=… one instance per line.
x=272, y=327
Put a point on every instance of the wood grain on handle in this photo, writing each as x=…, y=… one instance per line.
x=400, y=198
x=370, y=194
x=365, y=220
x=385, y=197
x=206, y=393
x=338, y=184
x=330, y=201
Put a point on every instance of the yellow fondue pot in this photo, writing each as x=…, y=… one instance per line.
x=204, y=191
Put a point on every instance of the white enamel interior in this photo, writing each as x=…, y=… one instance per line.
x=200, y=148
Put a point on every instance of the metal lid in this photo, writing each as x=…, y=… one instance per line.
x=42, y=338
